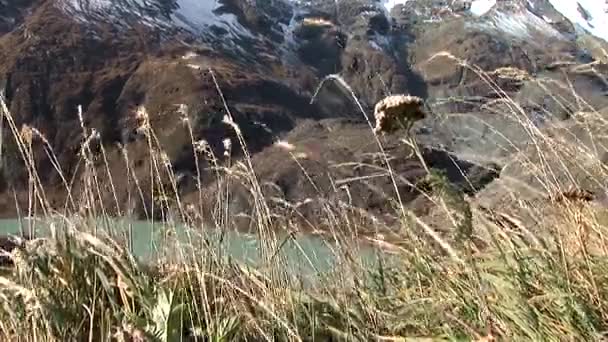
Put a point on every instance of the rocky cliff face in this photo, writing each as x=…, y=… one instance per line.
x=181, y=59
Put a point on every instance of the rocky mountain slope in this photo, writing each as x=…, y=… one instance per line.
x=181, y=59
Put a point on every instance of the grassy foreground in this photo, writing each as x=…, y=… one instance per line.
x=75, y=286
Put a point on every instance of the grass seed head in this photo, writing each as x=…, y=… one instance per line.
x=396, y=111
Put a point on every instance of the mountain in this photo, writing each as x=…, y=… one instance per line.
x=181, y=59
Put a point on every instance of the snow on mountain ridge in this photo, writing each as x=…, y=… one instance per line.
x=521, y=24
x=197, y=16
x=192, y=15
x=591, y=15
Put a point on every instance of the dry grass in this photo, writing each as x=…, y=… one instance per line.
x=487, y=274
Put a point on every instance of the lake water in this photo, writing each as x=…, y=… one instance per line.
x=304, y=253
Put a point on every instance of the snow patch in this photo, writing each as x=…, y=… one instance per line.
x=389, y=4
x=522, y=25
x=481, y=7
x=193, y=15
x=199, y=14
x=594, y=18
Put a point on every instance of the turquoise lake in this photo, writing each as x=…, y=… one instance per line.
x=149, y=240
